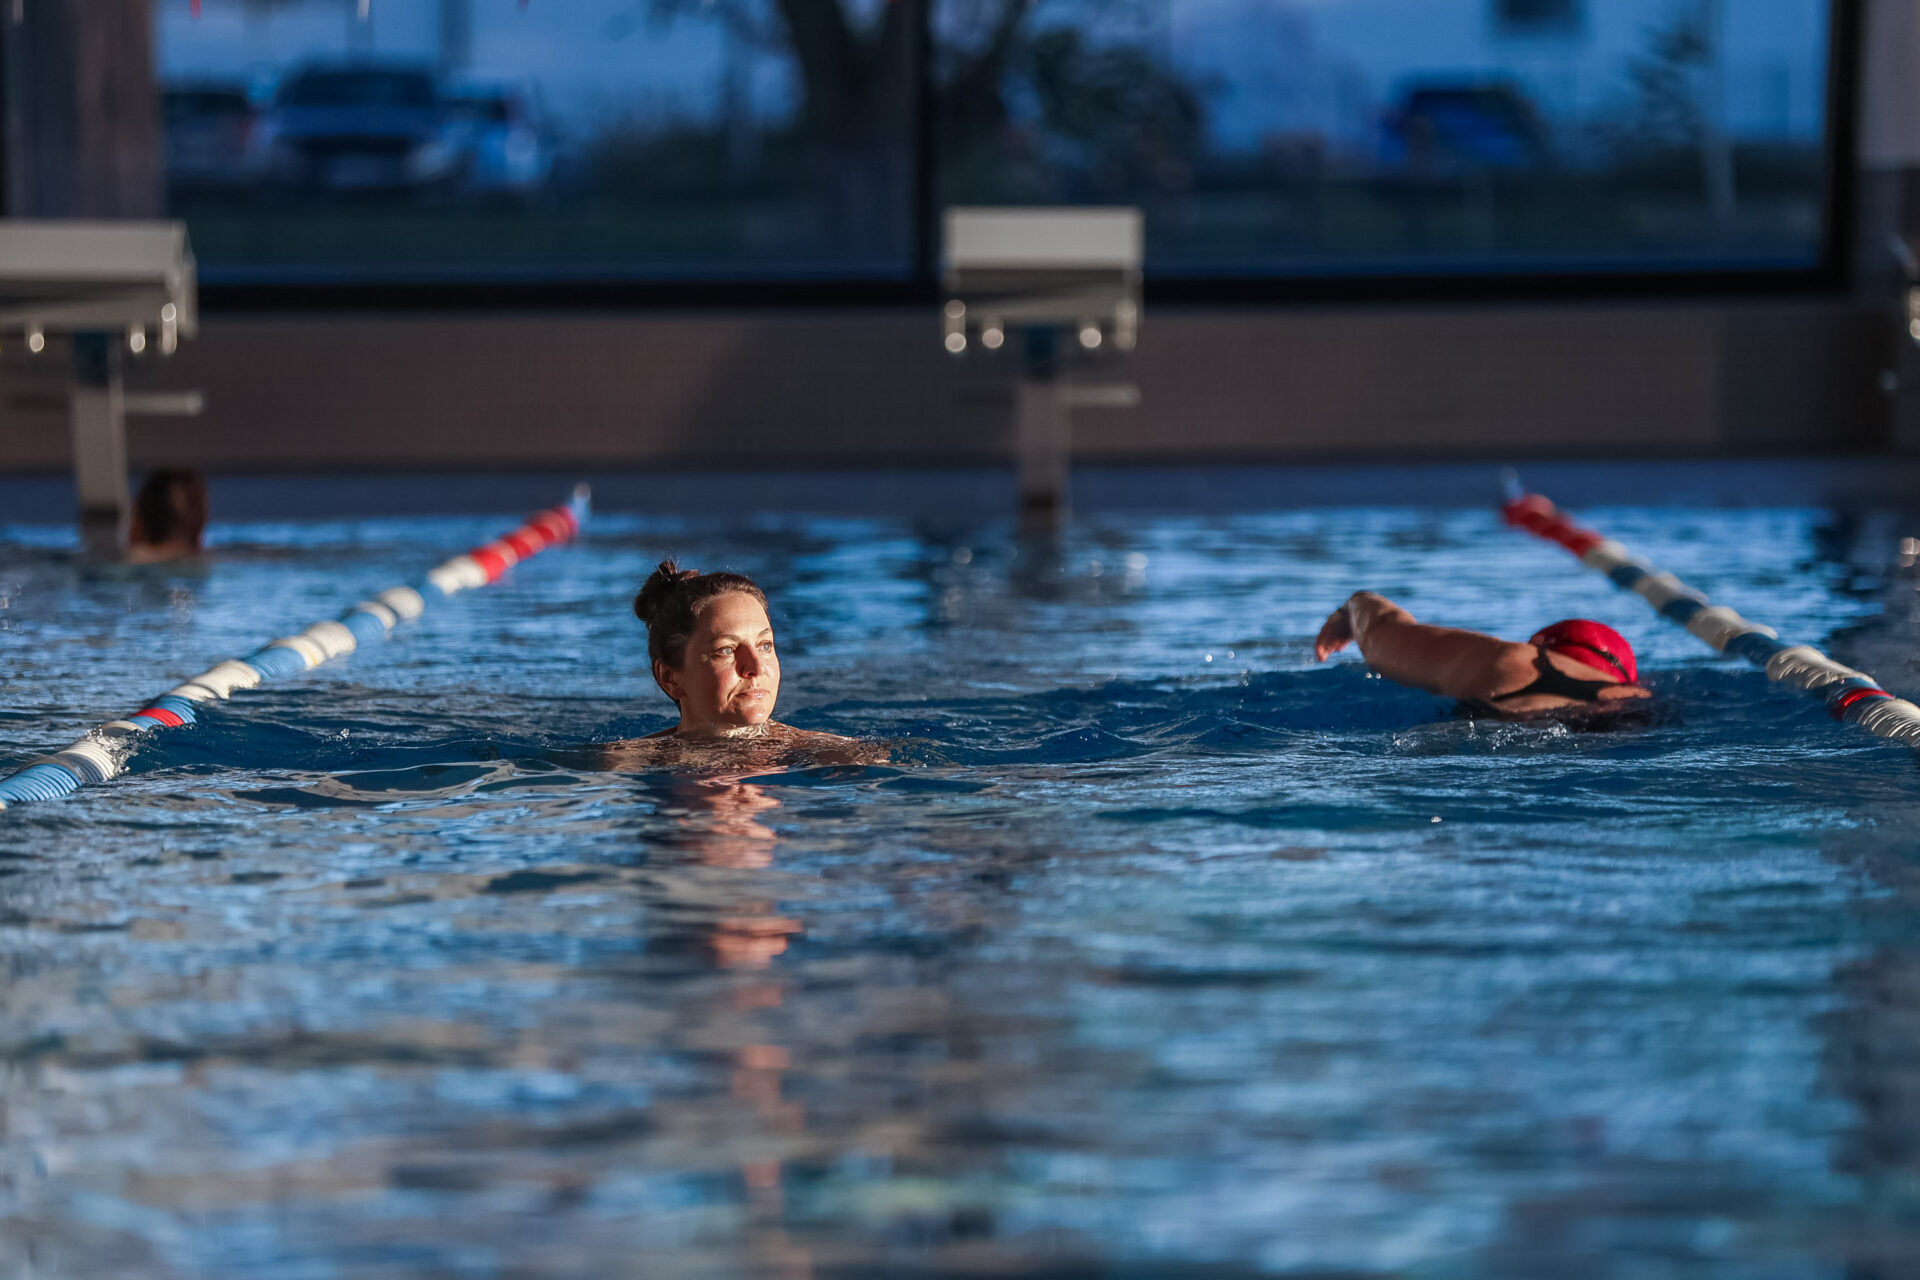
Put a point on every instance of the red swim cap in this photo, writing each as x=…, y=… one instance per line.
x=1594, y=643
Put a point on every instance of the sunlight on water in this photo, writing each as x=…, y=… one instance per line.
x=1155, y=950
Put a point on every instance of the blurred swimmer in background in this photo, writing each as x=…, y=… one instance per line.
x=169, y=517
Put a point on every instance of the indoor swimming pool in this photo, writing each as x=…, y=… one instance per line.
x=1156, y=949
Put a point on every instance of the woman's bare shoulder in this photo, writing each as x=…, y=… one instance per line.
x=832, y=748
x=638, y=753
x=777, y=744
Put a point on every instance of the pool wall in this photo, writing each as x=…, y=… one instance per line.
x=478, y=390
x=964, y=494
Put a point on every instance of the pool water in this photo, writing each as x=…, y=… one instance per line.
x=1157, y=949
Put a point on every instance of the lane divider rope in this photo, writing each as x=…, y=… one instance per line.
x=103, y=753
x=1853, y=696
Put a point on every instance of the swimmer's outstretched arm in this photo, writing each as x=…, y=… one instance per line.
x=1450, y=662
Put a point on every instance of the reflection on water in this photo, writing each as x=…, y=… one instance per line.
x=1152, y=949
x=720, y=820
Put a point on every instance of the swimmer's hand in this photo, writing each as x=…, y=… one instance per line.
x=1336, y=633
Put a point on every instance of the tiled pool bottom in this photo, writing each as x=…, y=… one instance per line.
x=1158, y=951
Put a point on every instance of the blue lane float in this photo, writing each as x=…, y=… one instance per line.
x=103, y=753
x=1853, y=696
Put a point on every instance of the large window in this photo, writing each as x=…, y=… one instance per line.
x=816, y=139
x=1378, y=136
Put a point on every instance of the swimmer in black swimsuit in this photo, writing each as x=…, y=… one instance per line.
x=1577, y=666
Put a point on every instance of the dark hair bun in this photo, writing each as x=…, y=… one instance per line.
x=659, y=590
x=670, y=603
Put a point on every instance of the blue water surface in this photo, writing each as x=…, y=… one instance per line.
x=1156, y=949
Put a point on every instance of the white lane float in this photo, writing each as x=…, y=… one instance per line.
x=1850, y=695
x=103, y=753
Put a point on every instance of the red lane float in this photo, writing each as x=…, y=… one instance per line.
x=1850, y=695
x=103, y=753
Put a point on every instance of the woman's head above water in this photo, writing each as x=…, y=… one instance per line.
x=711, y=645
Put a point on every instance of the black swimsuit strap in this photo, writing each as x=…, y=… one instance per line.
x=1557, y=683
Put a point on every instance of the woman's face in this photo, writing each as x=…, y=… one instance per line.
x=729, y=676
